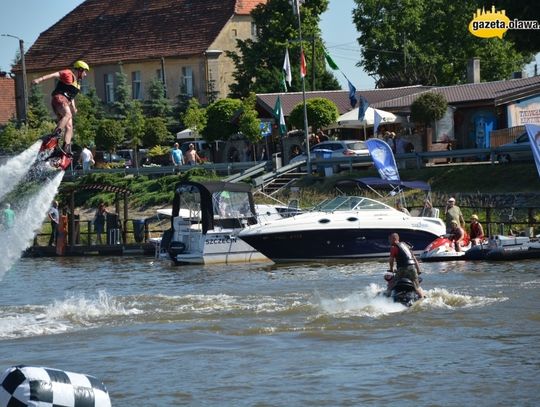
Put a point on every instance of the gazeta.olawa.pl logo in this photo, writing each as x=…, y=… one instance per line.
x=489, y=24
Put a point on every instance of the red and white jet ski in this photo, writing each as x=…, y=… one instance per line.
x=443, y=249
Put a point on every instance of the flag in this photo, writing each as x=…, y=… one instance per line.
x=362, y=108
x=287, y=68
x=533, y=130
x=280, y=118
x=303, y=66
x=283, y=82
x=376, y=121
x=331, y=62
x=352, y=94
x=383, y=158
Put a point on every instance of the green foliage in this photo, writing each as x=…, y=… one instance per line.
x=427, y=42
x=14, y=139
x=109, y=134
x=259, y=63
x=122, y=95
x=320, y=113
x=86, y=120
x=429, y=107
x=135, y=124
x=157, y=105
x=220, y=113
x=525, y=40
x=155, y=132
x=157, y=151
x=37, y=111
x=195, y=116
x=249, y=123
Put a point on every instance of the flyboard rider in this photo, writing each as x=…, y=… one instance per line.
x=63, y=98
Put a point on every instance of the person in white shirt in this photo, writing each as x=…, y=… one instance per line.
x=86, y=158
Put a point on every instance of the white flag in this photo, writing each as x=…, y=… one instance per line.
x=287, y=68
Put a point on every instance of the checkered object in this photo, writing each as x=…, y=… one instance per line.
x=30, y=386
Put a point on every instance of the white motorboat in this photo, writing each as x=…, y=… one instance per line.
x=345, y=227
x=206, y=218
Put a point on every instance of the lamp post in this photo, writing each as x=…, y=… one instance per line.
x=23, y=66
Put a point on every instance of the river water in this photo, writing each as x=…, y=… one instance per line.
x=277, y=335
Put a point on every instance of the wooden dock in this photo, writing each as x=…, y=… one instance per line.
x=146, y=249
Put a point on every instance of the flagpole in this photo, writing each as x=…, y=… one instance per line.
x=308, y=153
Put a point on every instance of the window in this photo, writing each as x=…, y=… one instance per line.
x=136, y=89
x=254, y=30
x=84, y=86
x=109, y=87
x=158, y=74
x=187, y=80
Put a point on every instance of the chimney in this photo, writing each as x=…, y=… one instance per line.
x=473, y=70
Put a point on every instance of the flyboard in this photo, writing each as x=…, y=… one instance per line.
x=51, y=158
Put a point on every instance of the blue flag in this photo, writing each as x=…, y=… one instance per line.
x=362, y=108
x=352, y=94
x=383, y=158
x=376, y=121
x=533, y=130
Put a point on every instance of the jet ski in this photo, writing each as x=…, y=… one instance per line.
x=51, y=157
x=442, y=249
x=403, y=291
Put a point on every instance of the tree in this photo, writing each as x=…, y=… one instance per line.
x=320, y=113
x=525, y=40
x=195, y=116
x=220, y=114
x=37, y=111
x=155, y=132
x=259, y=62
x=157, y=105
x=427, y=42
x=109, y=134
x=249, y=123
x=429, y=107
x=135, y=125
x=122, y=96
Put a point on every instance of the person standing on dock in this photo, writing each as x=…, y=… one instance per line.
x=99, y=221
x=54, y=217
x=453, y=212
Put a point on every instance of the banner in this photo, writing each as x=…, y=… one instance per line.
x=383, y=158
x=533, y=130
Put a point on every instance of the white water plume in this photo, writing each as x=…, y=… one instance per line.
x=28, y=220
x=13, y=171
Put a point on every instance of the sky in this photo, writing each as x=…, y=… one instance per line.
x=26, y=19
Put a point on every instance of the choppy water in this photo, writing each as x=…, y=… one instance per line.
x=289, y=335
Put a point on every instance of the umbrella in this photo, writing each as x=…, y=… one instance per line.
x=350, y=119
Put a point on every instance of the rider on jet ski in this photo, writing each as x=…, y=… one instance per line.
x=406, y=264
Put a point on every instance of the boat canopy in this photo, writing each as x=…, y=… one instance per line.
x=382, y=183
x=218, y=203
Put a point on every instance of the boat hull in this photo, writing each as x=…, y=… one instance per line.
x=333, y=244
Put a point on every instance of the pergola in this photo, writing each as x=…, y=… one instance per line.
x=124, y=192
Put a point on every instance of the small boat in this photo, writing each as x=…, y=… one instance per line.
x=500, y=247
x=206, y=218
x=344, y=227
x=443, y=249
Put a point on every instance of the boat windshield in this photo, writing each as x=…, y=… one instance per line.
x=349, y=203
x=228, y=204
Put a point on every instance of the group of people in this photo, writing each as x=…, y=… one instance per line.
x=455, y=226
x=402, y=261
x=191, y=157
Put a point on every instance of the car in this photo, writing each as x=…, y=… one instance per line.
x=519, y=155
x=339, y=148
x=106, y=157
